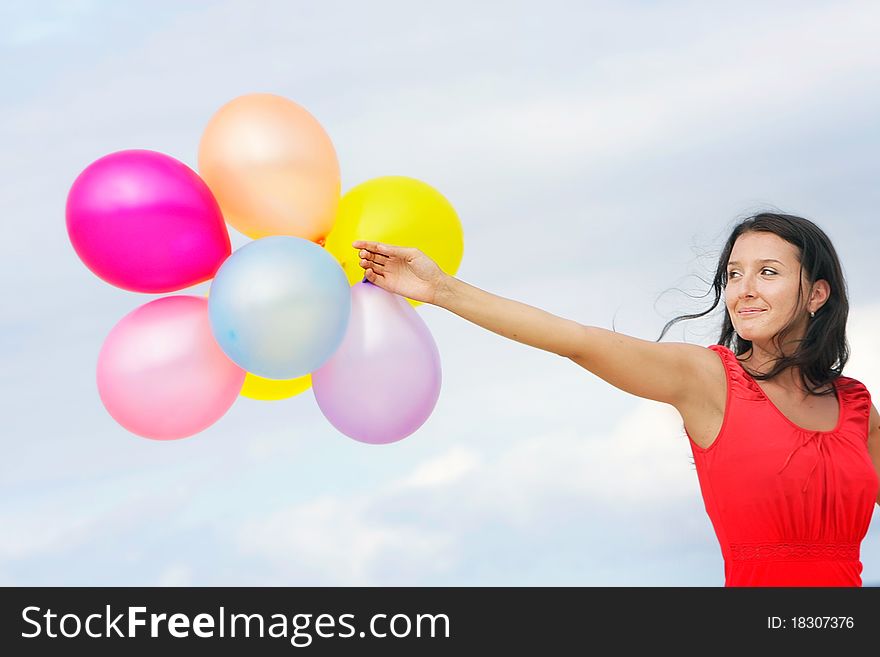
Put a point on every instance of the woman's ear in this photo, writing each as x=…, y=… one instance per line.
x=821, y=292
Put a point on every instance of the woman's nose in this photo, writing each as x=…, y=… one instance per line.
x=747, y=285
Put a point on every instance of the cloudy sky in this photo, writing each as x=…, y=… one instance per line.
x=598, y=153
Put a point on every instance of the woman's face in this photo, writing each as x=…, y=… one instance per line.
x=763, y=272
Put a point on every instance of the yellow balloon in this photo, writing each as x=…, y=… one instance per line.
x=256, y=387
x=396, y=210
x=272, y=168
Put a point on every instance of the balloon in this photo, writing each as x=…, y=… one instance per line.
x=396, y=210
x=145, y=222
x=279, y=307
x=272, y=168
x=256, y=387
x=384, y=380
x=161, y=375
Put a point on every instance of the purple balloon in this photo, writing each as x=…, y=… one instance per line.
x=146, y=222
x=383, y=381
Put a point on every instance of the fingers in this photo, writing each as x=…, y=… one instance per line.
x=377, y=247
x=366, y=264
x=372, y=276
x=372, y=257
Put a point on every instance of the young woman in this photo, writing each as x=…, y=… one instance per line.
x=787, y=449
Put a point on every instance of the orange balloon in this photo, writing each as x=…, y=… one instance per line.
x=271, y=167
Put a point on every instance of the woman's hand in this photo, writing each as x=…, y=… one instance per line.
x=402, y=270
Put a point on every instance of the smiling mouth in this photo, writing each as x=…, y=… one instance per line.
x=749, y=313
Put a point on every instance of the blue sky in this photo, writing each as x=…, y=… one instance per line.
x=598, y=153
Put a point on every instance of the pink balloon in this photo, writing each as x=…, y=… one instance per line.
x=383, y=381
x=145, y=222
x=162, y=375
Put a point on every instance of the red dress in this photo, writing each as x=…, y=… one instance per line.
x=790, y=506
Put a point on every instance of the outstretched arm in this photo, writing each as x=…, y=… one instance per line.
x=409, y=272
x=512, y=319
x=672, y=372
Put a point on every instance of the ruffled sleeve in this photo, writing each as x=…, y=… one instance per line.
x=741, y=384
x=856, y=399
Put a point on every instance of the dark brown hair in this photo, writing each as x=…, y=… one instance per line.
x=823, y=352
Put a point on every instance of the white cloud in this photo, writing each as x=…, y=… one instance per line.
x=643, y=466
x=712, y=86
x=422, y=520
x=176, y=575
x=40, y=530
x=864, y=362
x=443, y=470
x=335, y=542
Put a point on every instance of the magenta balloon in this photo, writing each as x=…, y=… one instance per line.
x=145, y=222
x=383, y=381
x=162, y=375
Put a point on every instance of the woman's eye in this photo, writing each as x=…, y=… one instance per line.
x=731, y=273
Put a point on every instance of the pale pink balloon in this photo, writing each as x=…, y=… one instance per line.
x=162, y=375
x=383, y=381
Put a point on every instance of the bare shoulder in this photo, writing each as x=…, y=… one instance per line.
x=689, y=377
x=706, y=381
x=704, y=397
x=670, y=372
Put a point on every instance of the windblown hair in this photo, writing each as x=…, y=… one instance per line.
x=823, y=352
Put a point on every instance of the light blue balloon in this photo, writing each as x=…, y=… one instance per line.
x=279, y=307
